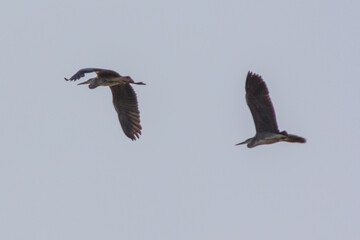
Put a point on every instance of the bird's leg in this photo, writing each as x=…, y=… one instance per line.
x=139, y=83
x=128, y=79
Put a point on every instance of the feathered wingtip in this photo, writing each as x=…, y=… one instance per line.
x=251, y=74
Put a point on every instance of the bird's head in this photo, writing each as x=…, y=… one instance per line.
x=92, y=82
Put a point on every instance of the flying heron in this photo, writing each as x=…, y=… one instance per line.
x=262, y=110
x=124, y=97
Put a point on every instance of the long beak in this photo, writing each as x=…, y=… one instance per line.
x=244, y=142
x=87, y=82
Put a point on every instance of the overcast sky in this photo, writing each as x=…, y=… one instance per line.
x=67, y=171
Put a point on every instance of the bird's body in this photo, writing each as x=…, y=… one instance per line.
x=262, y=110
x=124, y=97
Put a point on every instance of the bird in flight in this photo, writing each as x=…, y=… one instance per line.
x=124, y=97
x=262, y=110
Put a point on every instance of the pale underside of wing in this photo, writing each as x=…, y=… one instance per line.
x=258, y=100
x=125, y=103
x=81, y=73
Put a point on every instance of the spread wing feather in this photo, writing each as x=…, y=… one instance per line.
x=81, y=73
x=126, y=105
x=258, y=100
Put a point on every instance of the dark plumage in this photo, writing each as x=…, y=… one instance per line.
x=126, y=105
x=258, y=100
x=262, y=110
x=124, y=97
x=81, y=73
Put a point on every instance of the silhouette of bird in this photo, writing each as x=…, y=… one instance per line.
x=262, y=110
x=124, y=97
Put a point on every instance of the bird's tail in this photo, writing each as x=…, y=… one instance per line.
x=294, y=138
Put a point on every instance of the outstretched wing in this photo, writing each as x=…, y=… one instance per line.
x=258, y=100
x=81, y=73
x=125, y=103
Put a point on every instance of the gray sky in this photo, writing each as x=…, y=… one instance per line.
x=67, y=171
